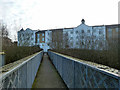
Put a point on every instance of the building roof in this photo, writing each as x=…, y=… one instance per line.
x=108, y=26
x=41, y=31
x=21, y=30
x=113, y=26
x=83, y=21
x=98, y=26
x=69, y=28
x=56, y=29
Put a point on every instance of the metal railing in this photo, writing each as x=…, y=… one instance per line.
x=20, y=74
x=77, y=74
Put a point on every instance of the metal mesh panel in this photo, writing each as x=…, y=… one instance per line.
x=23, y=76
x=80, y=75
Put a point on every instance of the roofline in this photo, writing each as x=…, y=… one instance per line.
x=112, y=25
x=56, y=29
x=98, y=26
x=40, y=31
x=70, y=28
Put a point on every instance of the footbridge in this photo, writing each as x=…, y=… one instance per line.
x=55, y=70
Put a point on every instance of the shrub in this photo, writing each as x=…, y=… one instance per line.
x=105, y=57
x=14, y=53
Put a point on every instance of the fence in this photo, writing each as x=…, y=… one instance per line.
x=77, y=74
x=22, y=74
x=2, y=59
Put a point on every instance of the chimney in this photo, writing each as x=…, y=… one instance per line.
x=83, y=21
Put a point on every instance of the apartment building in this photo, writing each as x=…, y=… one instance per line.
x=112, y=35
x=26, y=37
x=43, y=39
x=86, y=37
x=112, y=31
x=82, y=36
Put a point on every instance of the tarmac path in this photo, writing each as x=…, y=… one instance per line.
x=47, y=76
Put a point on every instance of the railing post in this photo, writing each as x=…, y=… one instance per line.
x=74, y=74
x=86, y=77
x=2, y=59
x=119, y=84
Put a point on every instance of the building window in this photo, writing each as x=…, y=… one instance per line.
x=88, y=31
x=82, y=31
x=94, y=31
x=38, y=35
x=89, y=42
x=71, y=44
x=116, y=29
x=76, y=43
x=28, y=38
x=43, y=34
x=82, y=43
x=19, y=35
x=82, y=37
x=76, y=32
x=100, y=32
x=71, y=38
x=77, y=37
x=42, y=39
x=110, y=33
x=66, y=34
x=48, y=44
x=71, y=32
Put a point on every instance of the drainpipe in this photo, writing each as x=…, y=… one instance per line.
x=2, y=59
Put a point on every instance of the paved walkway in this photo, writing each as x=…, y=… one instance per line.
x=47, y=76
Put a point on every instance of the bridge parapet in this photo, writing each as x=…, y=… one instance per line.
x=20, y=74
x=78, y=74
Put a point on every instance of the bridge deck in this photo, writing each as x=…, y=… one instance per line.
x=47, y=76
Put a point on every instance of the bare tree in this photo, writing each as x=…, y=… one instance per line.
x=3, y=30
x=5, y=41
x=65, y=41
x=57, y=39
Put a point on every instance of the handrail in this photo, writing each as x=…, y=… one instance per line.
x=18, y=69
x=79, y=74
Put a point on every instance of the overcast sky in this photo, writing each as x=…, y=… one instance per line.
x=50, y=14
